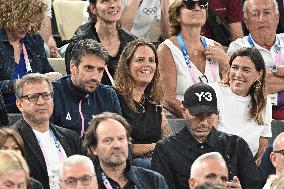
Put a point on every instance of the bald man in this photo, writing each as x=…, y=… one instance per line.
x=211, y=167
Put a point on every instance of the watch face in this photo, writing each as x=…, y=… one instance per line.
x=273, y=69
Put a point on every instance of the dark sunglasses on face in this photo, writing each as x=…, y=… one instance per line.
x=190, y=4
x=279, y=151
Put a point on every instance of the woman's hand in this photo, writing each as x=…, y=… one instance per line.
x=219, y=56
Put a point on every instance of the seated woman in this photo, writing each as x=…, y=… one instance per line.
x=11, y=140
x=104, y=28
x=21, y=49
x=137, y=86
x=187, y=57
x=242, y=100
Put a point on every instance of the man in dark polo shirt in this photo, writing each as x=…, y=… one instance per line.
x=174, y=156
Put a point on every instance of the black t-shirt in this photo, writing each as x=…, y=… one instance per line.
x=145, y=123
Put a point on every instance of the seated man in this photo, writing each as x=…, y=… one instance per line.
x=79, y=96
x=261, y=18
x=273, y=161
x=46, y=144
x=77, y=170
x=107, y=140
x=174, y=156
x=211, y=167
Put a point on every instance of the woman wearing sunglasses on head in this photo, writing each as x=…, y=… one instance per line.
x=187, y=57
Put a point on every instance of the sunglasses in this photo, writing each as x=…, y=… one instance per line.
x=279, y=152
x=190, y=4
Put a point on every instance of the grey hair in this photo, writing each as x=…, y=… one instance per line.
x=85, y=47
x=245, y=8
x=76, y=160
x=276, y=140
x=211, y=155
x=31, y=79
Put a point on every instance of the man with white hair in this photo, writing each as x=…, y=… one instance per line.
x=211, y=167
x=77, y=171
x=261, y=18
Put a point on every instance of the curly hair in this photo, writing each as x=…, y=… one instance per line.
x=15, y=13
x=257, y=93
x=124, y=82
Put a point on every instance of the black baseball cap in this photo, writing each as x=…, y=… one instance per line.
x=200, y=98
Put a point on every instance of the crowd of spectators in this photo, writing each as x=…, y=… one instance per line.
x=130, y=67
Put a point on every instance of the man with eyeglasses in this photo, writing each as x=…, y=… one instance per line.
x=80, y=95
x=174, y=156
x=107, y=140
x=77, y=171
x=261, y=18
x=272, y=161
x=46, y=144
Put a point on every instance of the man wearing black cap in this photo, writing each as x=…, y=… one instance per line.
x=174, y=156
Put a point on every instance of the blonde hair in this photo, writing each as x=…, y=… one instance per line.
x=12, y=161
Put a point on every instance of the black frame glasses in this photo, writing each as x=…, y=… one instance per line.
x=34, y=97
x=72, y=182
x=279, y=151
x=190, y=4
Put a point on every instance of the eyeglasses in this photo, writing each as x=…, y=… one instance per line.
x=73, y=181
x=34, y=97
x=279, y=151
x=190, y=4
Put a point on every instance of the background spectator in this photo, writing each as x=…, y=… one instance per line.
x=139, y=93
x=186, y=58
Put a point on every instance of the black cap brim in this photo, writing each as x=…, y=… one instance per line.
x=195, y=110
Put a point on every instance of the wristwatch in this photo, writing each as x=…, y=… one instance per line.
x=274, y=69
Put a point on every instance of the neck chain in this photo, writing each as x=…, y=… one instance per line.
x=141, y=105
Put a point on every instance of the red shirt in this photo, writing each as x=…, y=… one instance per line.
x=230, y=10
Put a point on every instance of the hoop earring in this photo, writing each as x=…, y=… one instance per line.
x=257, y=84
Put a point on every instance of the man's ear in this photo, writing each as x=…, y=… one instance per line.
x=72, y=67
x=19, y=104
x=191, y=183
x=273, y=159
x=93, y=151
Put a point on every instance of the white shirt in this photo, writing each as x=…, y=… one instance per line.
x=51, y=155
x=233, y=117
x=184, y=79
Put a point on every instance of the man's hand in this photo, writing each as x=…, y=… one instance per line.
x=235, y=183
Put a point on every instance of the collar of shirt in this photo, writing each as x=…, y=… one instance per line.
x=186, y=139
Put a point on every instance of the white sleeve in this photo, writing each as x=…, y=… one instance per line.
x=266, y=132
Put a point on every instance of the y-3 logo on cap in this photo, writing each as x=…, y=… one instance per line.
x=207, y=96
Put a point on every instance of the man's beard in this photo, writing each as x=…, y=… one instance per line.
x=83, y=88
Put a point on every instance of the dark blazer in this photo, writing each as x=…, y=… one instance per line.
x=70, y=141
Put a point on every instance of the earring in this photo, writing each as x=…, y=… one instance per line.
x=257, y=84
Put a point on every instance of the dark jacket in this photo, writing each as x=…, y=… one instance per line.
x=174, y=156
x=37, y=57
x=142, y=178
x=69, y=140
x=88, y=31
x=69, y=100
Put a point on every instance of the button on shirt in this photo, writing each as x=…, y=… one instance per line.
x=174, y=156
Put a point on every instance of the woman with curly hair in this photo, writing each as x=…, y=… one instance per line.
x=21, y=49
x=137, y=86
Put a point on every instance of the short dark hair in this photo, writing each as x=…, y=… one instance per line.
x=85, y=47
x=91, y=135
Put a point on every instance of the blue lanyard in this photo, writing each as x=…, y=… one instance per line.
x=187, y=59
